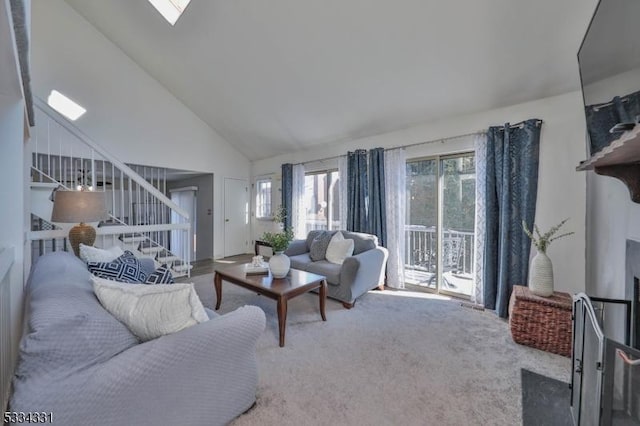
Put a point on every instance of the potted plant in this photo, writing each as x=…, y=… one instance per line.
x=279, y=263
x=279, y=241
x=541, y=269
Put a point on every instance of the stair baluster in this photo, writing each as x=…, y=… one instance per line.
x=143, y=224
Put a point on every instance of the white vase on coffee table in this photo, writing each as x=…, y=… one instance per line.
x=279, y=264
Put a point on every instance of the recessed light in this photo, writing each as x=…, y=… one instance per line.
x=170, y=9
x=65, y=106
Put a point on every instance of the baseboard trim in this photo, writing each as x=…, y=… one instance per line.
x=474, y=306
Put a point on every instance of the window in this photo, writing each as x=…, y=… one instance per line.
x=65, y=106
x=263, y=199
x=322, y=200
x=171, y=10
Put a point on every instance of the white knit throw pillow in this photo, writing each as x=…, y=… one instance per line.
x=339, y=248
x=94, y=254
x=151, y=311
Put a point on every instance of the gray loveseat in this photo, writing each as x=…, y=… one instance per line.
x=363, y=271
x=84, y=366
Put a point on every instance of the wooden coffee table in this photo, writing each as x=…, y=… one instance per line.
x=280, y=289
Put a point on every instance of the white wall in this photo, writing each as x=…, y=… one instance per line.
x=561, y=190
x=12, y=216
x=12, y=176
x=128, y=112
x=612, y=218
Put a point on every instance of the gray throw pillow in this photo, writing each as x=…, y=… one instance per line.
x=319, y=246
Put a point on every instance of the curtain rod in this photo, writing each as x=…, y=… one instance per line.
x=442, y=140
x=479, y=132
x=520, y=124
x=320, y=160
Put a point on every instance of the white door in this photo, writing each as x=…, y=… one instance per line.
x=236, y=216
x=185, y=198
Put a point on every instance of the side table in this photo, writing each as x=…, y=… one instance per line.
x=541, y=322
x=258, y=244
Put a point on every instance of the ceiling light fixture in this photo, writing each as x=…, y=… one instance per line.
x=171, y=10
x=65, y=106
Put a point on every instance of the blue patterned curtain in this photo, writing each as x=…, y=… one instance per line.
x=377, y=201
x=602, y=117
x=357, y=191
x=511, y=191
x=287, y=193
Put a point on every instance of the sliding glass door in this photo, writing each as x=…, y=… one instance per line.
x=421, y=236
x=440, y=224
x=458, y=179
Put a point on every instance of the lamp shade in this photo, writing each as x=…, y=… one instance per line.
x=78, y=206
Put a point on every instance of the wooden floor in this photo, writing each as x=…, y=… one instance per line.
x=203, y=267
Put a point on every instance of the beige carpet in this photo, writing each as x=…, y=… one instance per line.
x=397, y=358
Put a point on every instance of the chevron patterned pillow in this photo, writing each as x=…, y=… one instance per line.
x=125, y=268
x=162, y=275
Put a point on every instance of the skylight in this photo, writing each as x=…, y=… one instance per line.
x=170, y=9
x=65, y=106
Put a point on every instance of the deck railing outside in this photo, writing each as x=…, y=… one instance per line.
x=321, y=225
x=421, y=246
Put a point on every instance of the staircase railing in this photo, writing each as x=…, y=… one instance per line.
x=141, y=217
x=8, y=340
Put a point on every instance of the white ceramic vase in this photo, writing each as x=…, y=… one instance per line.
x=279, y=265
x=541, y=275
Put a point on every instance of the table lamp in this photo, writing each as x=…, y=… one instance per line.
x=79, y=206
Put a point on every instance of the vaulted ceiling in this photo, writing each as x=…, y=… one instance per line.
x=281, y=75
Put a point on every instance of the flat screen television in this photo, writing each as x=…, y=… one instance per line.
x=609, y=60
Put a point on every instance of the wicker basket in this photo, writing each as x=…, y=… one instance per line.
x=541, y=322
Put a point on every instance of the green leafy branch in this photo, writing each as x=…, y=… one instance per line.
x=279, y=241
x=280, y=215
x=542, y=241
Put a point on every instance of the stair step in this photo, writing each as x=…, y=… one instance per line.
x=151, y=250
x=167, y=259
x=182, y=268
x=45, y=185
x=129, y=240
x=146, y=256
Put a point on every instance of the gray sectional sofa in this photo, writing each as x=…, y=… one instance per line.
x=363, y=271
x=84, y=366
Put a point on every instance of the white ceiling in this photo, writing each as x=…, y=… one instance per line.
x=281, y=75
